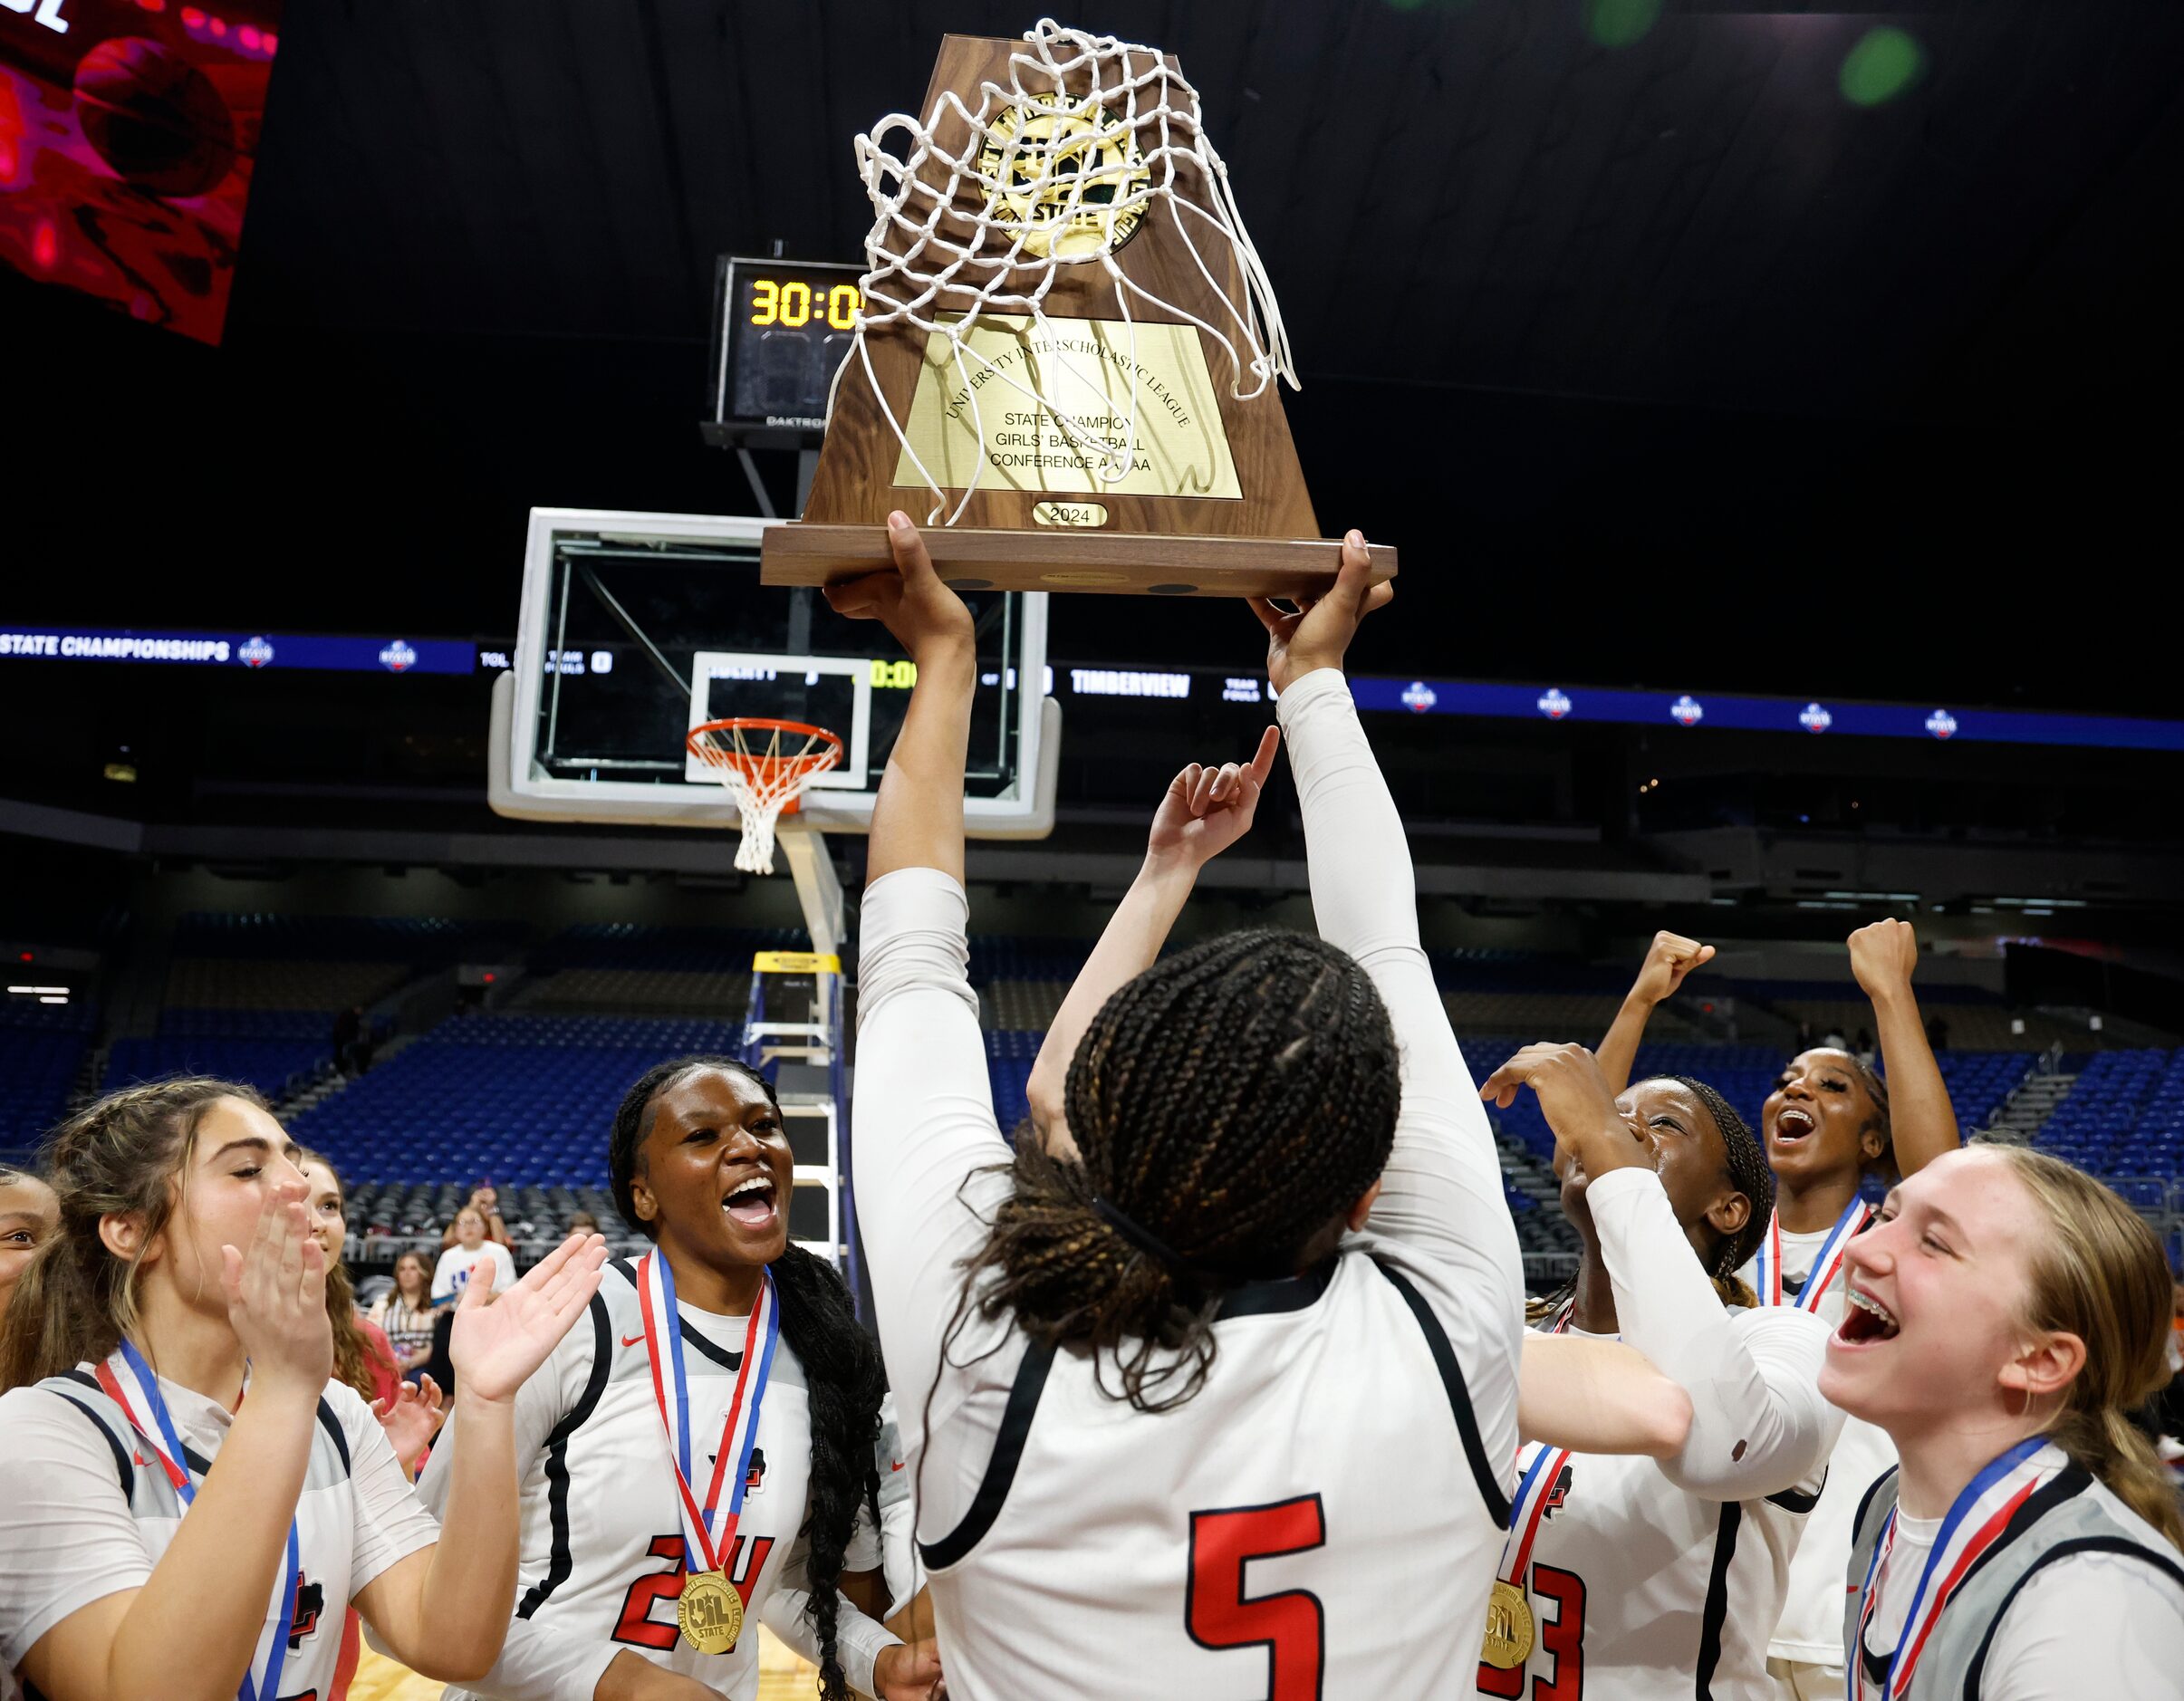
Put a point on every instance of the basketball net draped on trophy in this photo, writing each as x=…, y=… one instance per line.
x=1064, y=370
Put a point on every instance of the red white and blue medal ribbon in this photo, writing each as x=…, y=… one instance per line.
x=709, y=1532
x=1826, y=1265
x=1526, y=1508
x=130, y=1383
x=1981, y=1512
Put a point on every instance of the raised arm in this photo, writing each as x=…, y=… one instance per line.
x=1203, y=812
x=922, y=1112
x=918, y=816
x=1758, y=1424
x=1923, y=1122
x=1441, y=1192
x=1669, y=959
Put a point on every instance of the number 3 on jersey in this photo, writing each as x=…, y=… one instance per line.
x=1562, y=1637
x=1289, y=1624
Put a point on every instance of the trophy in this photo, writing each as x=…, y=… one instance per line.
x=1064, y=364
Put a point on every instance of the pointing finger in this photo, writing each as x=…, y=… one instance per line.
x=1262, y=764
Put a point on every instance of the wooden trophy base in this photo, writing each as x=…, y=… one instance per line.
x=800, y=552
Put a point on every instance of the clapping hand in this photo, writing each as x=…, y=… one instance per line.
x=276, y=1296
x=494, y=1347
x=411, y=1417
x=1318, y=635
x=1207, y=810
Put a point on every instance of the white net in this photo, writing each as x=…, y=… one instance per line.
x=1091, y=138
x=763, y=764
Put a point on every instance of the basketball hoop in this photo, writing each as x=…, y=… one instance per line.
x=766, y=765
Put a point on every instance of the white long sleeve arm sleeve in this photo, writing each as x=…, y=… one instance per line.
x=922, y=1121
x=1758, y=1423
x=857, y=1639
x=1441, y=1192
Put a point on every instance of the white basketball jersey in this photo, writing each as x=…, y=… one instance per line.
x=1810, y=1630
x=602, y=1536
x=1320, y=1520
x=325, y=1517
x=1639, y=1589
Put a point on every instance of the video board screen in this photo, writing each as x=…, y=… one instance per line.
x=129, y=130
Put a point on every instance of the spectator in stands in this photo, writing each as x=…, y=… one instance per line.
x=459, y=1263
x=484, y=1200
x=30, y=1216
x=582, y=1222
x=2006, y=1314
x=404, y=1312
x=1832, y=1041
x=1862, y=1046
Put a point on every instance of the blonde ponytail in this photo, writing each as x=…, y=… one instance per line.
x=2100, y=1275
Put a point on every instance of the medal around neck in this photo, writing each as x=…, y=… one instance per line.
x=1066, y=361
x=1509, y=1632
x=709, y=1612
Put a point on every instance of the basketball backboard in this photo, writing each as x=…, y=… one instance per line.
x=637, y=627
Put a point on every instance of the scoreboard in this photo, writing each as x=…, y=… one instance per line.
x=780, y=328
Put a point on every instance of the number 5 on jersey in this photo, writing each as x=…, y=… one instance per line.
x=1289, y=1624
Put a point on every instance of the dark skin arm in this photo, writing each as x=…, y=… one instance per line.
x=1923, y=1122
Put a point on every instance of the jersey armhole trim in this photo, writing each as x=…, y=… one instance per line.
x=560, y=1562
x=1001, y=1468
x=1796, y=1499
x=332, y=1424
x=123, y=1468
x=1865, y=1501
x=2061, y=1550
x=1483, y=1475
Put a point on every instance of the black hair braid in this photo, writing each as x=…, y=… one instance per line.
x=842, y=1371
x=1232, y=1101
x=1748, y=1172
x=1877, y=1090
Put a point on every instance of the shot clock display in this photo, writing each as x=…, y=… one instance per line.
x=781, y=330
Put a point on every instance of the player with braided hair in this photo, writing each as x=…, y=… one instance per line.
x=743, y=1353
x=1221, y=1394
x=1645, y=1572
x=1831, y=1125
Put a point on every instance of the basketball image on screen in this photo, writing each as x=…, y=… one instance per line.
x=128, y=133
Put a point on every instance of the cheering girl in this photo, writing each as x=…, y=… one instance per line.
x=702, y=1452
x=161, y=1533
x=1830, y=1124
x=2005, y=1313
x=1643, y=1576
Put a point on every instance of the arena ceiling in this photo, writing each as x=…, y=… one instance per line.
x=1474, y=193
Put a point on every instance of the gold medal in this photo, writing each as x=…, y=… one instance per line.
x=1508, y=1628
x=710, y=1613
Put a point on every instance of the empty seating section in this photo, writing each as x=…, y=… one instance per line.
x=423, y=940
x=649, y=990
x=527, y=1099
x=2123, y=1118
x=275, y=987
x=271, y=1065
x=1974, y=1020
x=42, y=1048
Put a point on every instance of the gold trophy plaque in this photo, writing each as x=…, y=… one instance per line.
x=1065, y=367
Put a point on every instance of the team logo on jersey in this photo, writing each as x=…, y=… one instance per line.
x=256, y=652
x=1418, y=696
x=397, y=657
x=310, y=1602
x=1686, y=711
x=1814, y=719
x=1941, y=724
x=1554, y=704
x=753, y=1479
x=1560, y=1494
